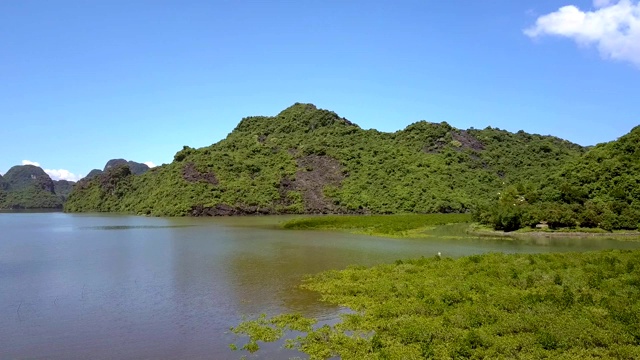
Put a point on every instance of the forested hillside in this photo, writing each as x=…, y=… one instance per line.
x=600, y=189
x=26, y=187
x=307, y=160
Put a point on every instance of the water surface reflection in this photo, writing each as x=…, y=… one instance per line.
x=108, y=286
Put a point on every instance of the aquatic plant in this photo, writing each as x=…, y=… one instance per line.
x=569, y=306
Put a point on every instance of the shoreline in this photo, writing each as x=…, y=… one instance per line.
x=552, y=234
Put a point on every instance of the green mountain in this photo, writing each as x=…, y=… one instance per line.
x=93, y=173
x=26, y=187
x=599, y=189
x=62, y=188
x=136, y=167
x=308, y=160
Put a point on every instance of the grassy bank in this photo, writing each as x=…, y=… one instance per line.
x=405, y=225
x=483, y=230
x=565, y=306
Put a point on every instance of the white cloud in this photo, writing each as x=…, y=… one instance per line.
x=150, y=164
x=62, y=174
x=55, y=174
x=613, y=27
x=29, y=162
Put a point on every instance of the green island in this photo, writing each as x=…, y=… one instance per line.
x=307, y=160
x=493, y=306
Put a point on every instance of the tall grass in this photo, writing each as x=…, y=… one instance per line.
x=390, y=225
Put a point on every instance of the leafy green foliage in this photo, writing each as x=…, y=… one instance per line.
x=109, y=190
x=386, y=225
x=308, y=160
x=567, y=306
x=600, y=189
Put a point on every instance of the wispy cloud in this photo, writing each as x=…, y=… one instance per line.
x=55, y=174
x=613, y=26
x=150, y=164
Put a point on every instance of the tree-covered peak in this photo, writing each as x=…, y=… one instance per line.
x=135, y=167
x=28, y=187
x=21, y=176
x=298, y=118
x=24, y=170
x=299, y=108
x=426, y=126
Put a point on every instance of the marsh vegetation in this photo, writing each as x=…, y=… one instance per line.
x=402, y=225
x=568, y=306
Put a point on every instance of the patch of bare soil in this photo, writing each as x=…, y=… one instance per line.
x=314, y=173
x=467, y=140
x=191, y=174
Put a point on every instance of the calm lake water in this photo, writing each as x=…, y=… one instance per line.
x=127, y=287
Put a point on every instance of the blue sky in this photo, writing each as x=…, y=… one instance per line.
x=82, y=82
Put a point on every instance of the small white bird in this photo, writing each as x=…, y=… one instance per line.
x=439, y=254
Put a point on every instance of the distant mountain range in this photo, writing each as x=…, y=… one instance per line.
x=29, y=187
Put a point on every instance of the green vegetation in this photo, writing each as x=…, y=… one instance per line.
x=63, y=188
x=493, y=306
x=27, y=187
x=307, y=160
x=601, y=189
x=385, y=225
